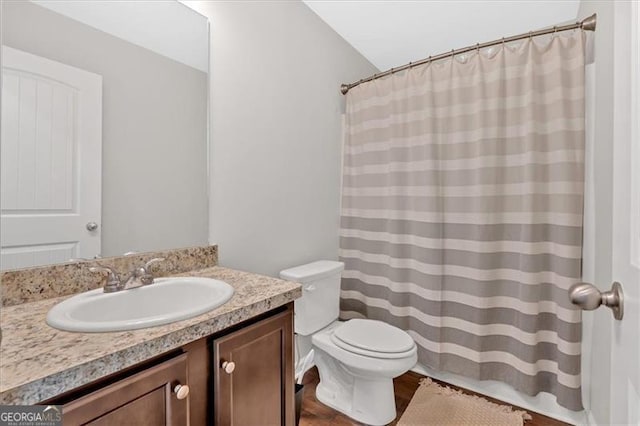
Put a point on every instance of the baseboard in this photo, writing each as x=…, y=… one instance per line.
x=543, y=403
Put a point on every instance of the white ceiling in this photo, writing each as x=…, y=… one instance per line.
x=392, y=33
x=168, y=28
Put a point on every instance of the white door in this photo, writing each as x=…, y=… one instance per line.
x=625, y=353
x=50, y=161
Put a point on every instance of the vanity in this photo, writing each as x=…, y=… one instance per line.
x=231, y=365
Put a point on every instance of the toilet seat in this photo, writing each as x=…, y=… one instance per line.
x=373, y=338
x=361, y=361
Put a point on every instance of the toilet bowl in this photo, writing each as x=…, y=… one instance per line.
x=357, y=359
x=359, y=382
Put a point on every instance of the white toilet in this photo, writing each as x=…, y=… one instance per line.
x=357, y=359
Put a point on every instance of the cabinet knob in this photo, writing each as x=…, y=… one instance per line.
x=228, y=366
x=181, y=391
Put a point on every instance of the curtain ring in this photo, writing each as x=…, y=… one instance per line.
x=530, y=35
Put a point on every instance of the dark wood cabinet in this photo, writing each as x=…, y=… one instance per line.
x=258, y=392
x=253, y=377
x=146, y=398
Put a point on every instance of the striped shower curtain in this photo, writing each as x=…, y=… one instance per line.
x=462, y=211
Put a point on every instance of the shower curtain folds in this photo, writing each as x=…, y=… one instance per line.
x=462, y=211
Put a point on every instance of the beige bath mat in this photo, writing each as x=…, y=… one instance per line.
x=433, y=404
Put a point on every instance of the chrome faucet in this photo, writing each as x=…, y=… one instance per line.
x=137, y=278
x=141, y=276
x=111, y=279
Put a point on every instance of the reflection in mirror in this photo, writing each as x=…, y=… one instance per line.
x=104, y=129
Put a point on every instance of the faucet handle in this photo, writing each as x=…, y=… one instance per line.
x=100, y=269
x=153, y=261
x=111, y=281
x=142, y=273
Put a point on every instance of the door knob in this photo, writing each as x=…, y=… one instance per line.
x=228, y=366
x=181, y=391
x=92, y=226
x=588, y=297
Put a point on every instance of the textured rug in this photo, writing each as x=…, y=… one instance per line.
x=433, y=404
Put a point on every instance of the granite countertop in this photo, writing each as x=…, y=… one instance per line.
x=38, y=362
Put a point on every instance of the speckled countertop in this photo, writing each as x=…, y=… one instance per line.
x=38, y=362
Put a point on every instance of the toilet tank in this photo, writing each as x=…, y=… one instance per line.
x=319, y=305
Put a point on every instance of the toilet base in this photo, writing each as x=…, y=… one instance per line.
x=368, y=400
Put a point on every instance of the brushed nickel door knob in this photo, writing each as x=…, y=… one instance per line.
x=92, y=226
x=228, y=366
x=588, y=297
x=181, y=391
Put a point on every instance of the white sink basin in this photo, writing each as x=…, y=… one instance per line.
x=166, y=300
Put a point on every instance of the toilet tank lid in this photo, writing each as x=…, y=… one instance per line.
x=312, y=271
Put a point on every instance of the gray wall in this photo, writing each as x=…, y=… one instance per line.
x=276, y=136
x=154, y=189
x=598, y=229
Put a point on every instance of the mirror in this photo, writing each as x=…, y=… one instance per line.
x=104, y=129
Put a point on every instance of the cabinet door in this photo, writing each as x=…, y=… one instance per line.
x=146, y=398
x=258, y=388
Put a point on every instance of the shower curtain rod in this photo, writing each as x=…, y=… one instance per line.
x=587, y=24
